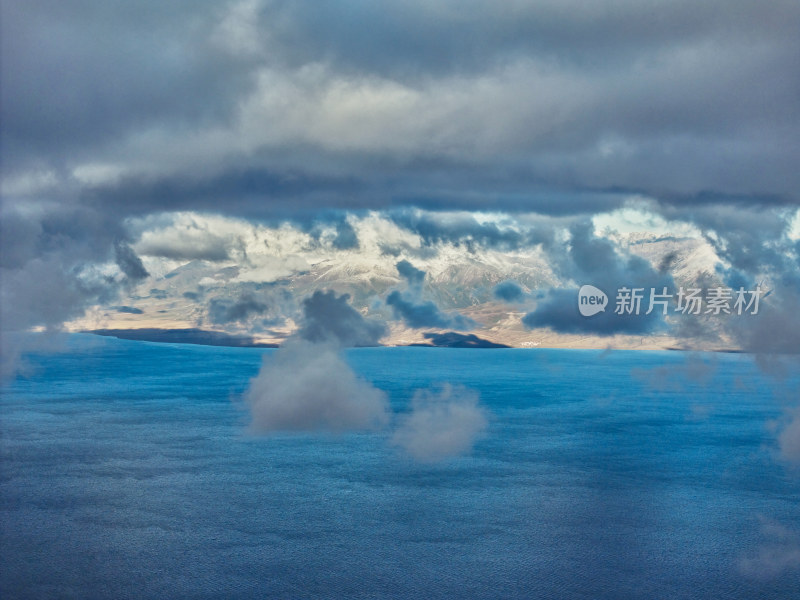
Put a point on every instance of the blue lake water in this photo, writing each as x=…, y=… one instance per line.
x=128, y=472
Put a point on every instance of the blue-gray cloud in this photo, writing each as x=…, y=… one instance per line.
x=416, y=312
x=588, y=259
x=223, y=311
x=132, y=310
x=128, y=262
x=463, y=229
x=346, y=237
x=425, y=314
x=558, y=310
x=410, y=273
x=328, y=318
x=509, y=291
x=562, y=107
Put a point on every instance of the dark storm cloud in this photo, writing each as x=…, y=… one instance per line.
x=259, y=192
x=328, y=318
x=553, y=106
x=406, y=37
x=78, y=76
x=509, y=291
x=298, y=193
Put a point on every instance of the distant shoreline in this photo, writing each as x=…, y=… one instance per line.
x=203, y=337
x=200, y=337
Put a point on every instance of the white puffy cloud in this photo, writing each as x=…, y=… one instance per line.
x=778, y=552
x=789, y=438
x=441, y=425
x=309, y=387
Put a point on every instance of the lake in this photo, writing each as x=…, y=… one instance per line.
x=128, y=471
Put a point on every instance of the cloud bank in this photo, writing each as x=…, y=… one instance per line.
x=550, y=107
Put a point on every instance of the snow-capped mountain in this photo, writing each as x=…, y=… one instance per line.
x=255, y=282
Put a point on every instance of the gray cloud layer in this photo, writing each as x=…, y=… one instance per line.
x=277, y=109
x=412, y=102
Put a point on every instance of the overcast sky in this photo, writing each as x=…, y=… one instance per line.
x=114, y=113
x=550, y=105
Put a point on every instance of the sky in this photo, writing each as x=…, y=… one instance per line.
x=402, y=137
x=336, y=174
